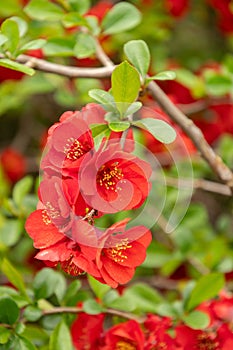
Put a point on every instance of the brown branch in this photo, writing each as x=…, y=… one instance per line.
x=76, y=310
x=195, y=134
x=66, y=71
x=201, y=184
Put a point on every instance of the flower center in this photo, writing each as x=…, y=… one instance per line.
x=117, y=253
x=69, y=267
x=46, y=218
x=205, y=342
x=73, y=149
x=122, y=345
x=52, y=212
x=109, y=175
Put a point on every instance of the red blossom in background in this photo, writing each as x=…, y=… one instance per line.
x=13, y=164
x=86, y=331
x=126, y=335
x=177, y=8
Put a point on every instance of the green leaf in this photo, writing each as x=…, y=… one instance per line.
x=24, y=344
x=138, y=53
x=145, y=297
x=4, y=335
x=62, y=47
x=72, y=19
x=22, y=25
x=91, y=307
x=81, y=6
x=196, y=320
x=43, y=10
x=60, y=338
x=166, y=75
x=9, y=310
x=218, y=85
x=3, y=39
x=32, y=313
x=71, y=295
x=120, y=18
x=85, y=45
x=104, y=98
x=125, y=85
x=207, y=287
x=133, y=107
x=48, y=282
x=161, y=130
x=13, y=276
x=119, y=126
x=33, y=45
x=10, y=29
x=5, y=62
x=98, y=288
x=22, y=188
x=10, y=232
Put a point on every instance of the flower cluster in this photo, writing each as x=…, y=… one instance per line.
x=157, y=332
x=80, y=183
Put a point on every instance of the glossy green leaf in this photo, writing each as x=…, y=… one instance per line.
x=218, y=85
x=93, y=25
x=104, y=98
x=10, y=29
x=125, y=85
x=59, y=47
x=5, y=334
x=22, y=25
x=13, y=276
x=43, y=10
x=23, y=343
x=196, y=320
x=98, y=288
x=48, y=282
x=10, y=232
x=81, y=6
x=72, y=19
x=60, y=338
x=71, y=295
x=22, y=188
x=144, y=297
x=5, y=62
x=207, y=287
x=123, y=16
x=3, y=39
x=32, y=313
x=33, y=45
x=133, y=107
x=20, y=327
x=85, y=45
x=138, y=54
x=161, y=130
x=119, y=126
x=91, y=307
x=166, y=75
x=9, y=310
x=98, y=129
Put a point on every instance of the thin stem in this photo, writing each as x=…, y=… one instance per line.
x=76, y=310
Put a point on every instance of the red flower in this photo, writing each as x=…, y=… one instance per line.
x=121, y=251
x=13, y=163
x=220, y=339
x=225, y=15
x=86, y=330
x=126, y=335
x=112, y=180
x=100, y=9
x=157, y=337
x=177, y=8
x=55, y=247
